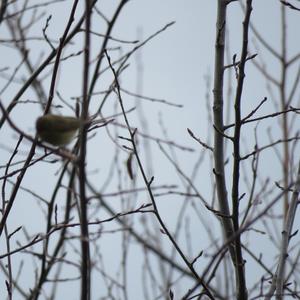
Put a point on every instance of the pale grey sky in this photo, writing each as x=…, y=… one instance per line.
x=175, y=64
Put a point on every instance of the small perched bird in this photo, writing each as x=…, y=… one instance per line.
x=57, y=130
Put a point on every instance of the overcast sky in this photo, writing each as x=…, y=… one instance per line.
x=175, y=66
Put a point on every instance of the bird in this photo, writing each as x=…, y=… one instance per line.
x=57, y=130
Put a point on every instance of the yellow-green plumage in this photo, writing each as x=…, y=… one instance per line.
x=57, y=130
